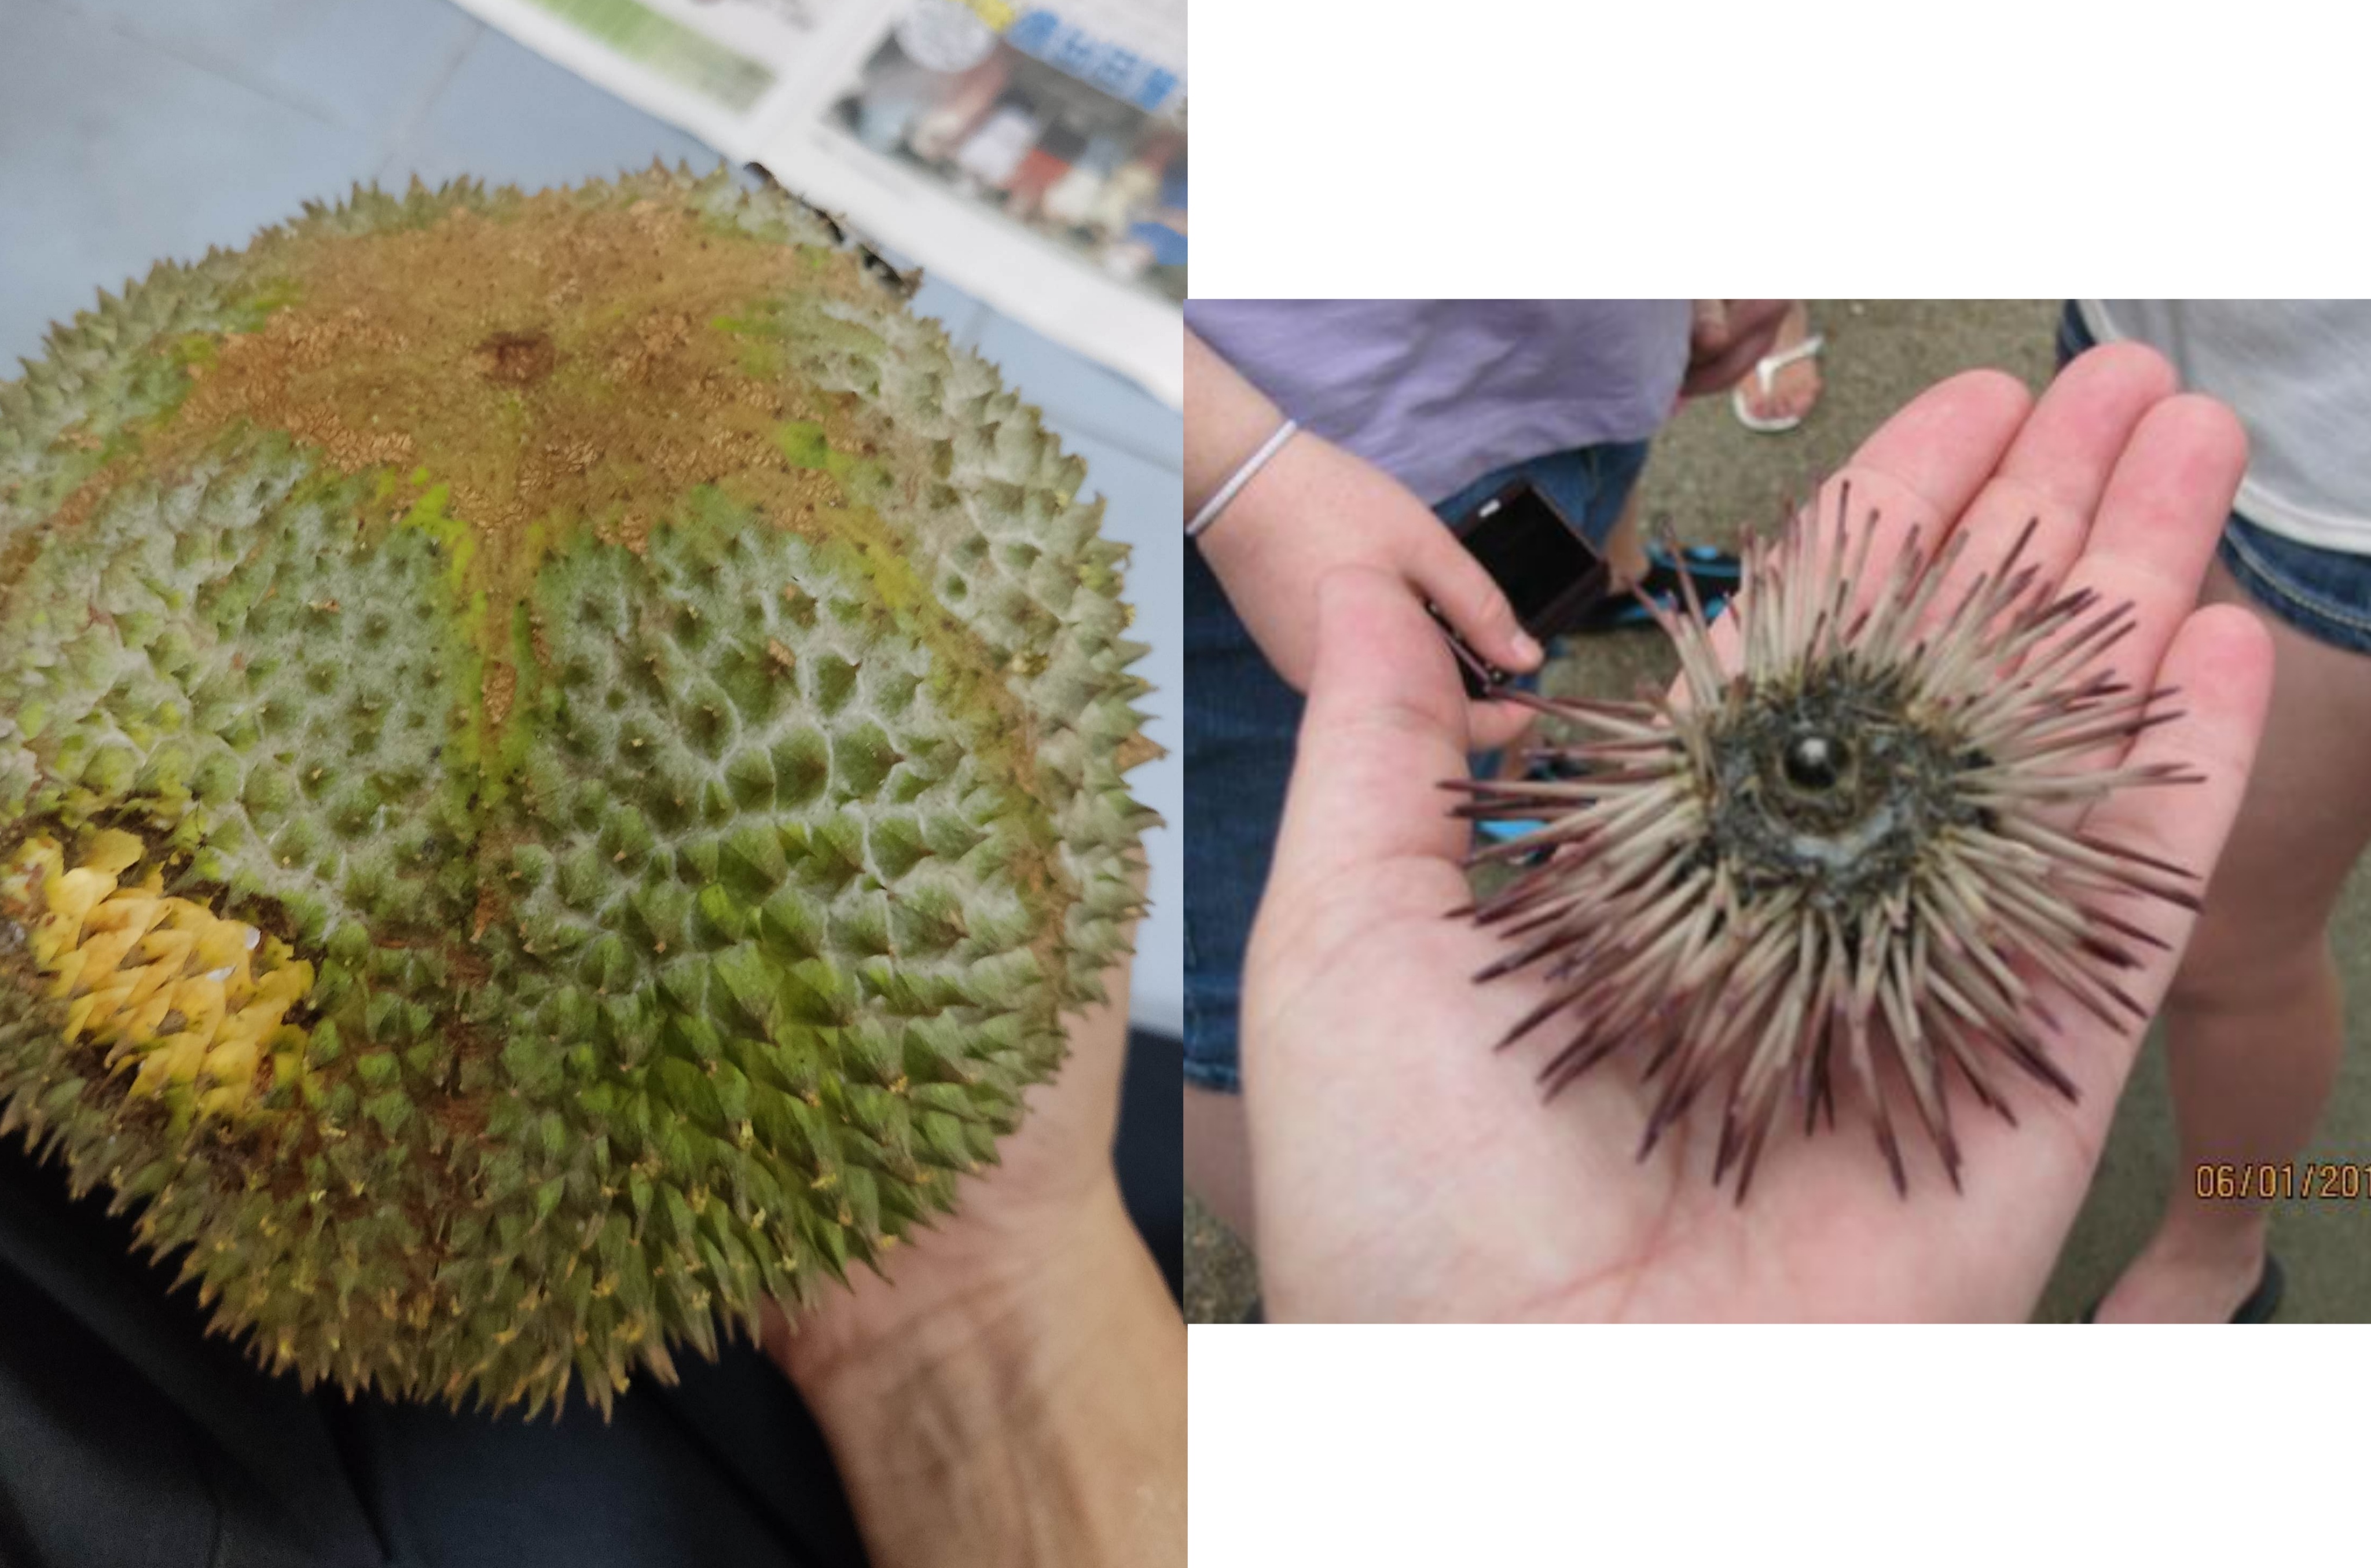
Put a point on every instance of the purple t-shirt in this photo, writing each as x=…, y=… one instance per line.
x=1437, y=393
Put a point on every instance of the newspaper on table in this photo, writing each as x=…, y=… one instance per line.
x=1033, y=158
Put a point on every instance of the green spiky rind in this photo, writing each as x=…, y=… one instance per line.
x=767, y=966
x=999, y=535
x=178, y=650
x=111, y=375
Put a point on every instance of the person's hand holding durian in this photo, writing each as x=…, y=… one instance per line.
x=562, y=782
x=1024, y=1351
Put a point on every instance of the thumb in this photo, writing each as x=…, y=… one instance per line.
x=1386, y=725
x=1473, y=603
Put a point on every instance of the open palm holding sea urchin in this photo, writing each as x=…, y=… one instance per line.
x=1426, y=1179
x=1855, y=843
x=560, y=769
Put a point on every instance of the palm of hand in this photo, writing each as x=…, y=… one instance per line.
x=1405, y=1172
x=1492, y=1206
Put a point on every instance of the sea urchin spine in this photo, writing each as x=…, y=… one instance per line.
x=1862, y=843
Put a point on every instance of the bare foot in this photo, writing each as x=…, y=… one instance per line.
x=2190, y=1274
x=1795, y=389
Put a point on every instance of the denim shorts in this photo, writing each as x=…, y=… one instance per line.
x=1240, y=723
x=2324, y=594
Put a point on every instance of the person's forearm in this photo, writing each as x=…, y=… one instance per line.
x=1047, y=1428
x=1226, y=420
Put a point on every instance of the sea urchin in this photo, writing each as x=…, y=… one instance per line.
x=1861, y=842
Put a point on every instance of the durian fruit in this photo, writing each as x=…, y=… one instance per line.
x=561, y=765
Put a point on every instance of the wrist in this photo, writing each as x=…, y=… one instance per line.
x=1042, y=1412
x=1245, y=472
x=1293, y=508
x=1008, y=1279
x=1226, y=419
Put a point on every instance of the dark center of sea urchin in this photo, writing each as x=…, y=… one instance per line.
x=1853, y=841
x=1816, y=763
x=1829, y=788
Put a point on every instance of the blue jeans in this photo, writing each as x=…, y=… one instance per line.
x=1240, y=724
x=2324, y=594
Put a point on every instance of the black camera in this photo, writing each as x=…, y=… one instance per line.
x=1549, y=573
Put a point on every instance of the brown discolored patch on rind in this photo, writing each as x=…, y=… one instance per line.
x=464, y=345
x=502, y=687
x=82, y=500
x=489, y=909
x=516, y=358
x=630, y=343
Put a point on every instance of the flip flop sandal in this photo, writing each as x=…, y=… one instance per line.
x=1766, y=374
x=1712, y=570
x=2262, y=1304
x=1715, y=573
x=1618, y=612
x=2266, y=1299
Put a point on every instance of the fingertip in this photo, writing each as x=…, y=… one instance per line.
x=1474, y=603
x=2143, y=369
x=2235, y=626
x=2206, y=422
x=1995, y=393
x=1944, y=444
x=2068, y=449
x=2173, y=487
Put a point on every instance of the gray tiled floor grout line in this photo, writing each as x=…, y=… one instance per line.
x=228, y=69
x=393, y=147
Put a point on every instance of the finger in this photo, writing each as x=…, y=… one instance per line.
x=1491, y=725
x=1473, y=603
x=1919, y=471
x=1923, y=469
x=2068, y=448
x=2057, y=468
x=1925, y=466
x=2159, y=517
x=2221, y=657
x=1384, y=726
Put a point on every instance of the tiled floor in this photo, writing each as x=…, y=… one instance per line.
x=133, y=130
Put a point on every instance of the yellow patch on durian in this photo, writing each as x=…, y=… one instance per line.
x=189, y=1000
